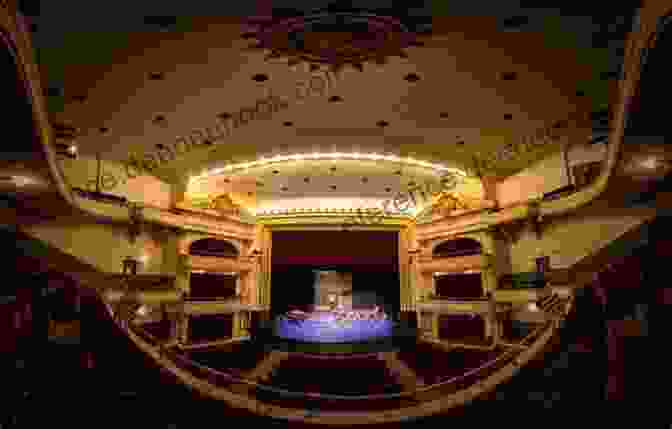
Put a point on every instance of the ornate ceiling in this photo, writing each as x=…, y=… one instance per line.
x=457, y=96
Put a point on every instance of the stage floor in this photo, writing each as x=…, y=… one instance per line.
x=324, y=327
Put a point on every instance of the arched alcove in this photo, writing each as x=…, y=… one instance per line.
x=458, y=285
x=210, y=285
x=458, y=247
x=213, y=247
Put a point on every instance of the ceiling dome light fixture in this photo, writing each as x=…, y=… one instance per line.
x=329, y=156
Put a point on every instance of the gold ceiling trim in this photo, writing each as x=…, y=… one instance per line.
x=231, y=168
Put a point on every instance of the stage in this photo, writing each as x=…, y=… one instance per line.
x=332, y=332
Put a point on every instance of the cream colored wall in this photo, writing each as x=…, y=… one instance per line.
x=149, y=190
x=568, y=240
x=546, y=175
x=104, y=246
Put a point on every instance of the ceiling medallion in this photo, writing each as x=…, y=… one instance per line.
x=336, y=38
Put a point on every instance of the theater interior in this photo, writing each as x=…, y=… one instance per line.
x=333, y=215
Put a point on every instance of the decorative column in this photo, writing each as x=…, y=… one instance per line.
x=264, y=278
x=183, y=276
x=489, y=273
x=413, y=280
x=182, y=327
x=404, y=295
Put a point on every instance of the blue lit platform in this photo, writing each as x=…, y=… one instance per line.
x=325, y=328
x=322, y=333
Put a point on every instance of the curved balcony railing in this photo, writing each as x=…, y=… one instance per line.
x=341, y=409
x=221, y=377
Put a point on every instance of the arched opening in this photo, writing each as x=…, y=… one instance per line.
x=462, y=285
x=212, y=286
x=213, y=247
x=458, y=247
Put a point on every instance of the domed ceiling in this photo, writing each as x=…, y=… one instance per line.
x=486, y=95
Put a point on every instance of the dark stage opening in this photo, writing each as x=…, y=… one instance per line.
x=366, y=262
x=345, y=286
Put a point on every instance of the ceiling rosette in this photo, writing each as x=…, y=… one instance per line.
x=336, y=37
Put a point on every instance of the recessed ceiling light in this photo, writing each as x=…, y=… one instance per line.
x=443, y=115
x=382, y=123
x=156, y=76
x=287, y=124
x=335, y=99
x=508, y=116
x=260, y=77
x=411, y=77
x=509, y=76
